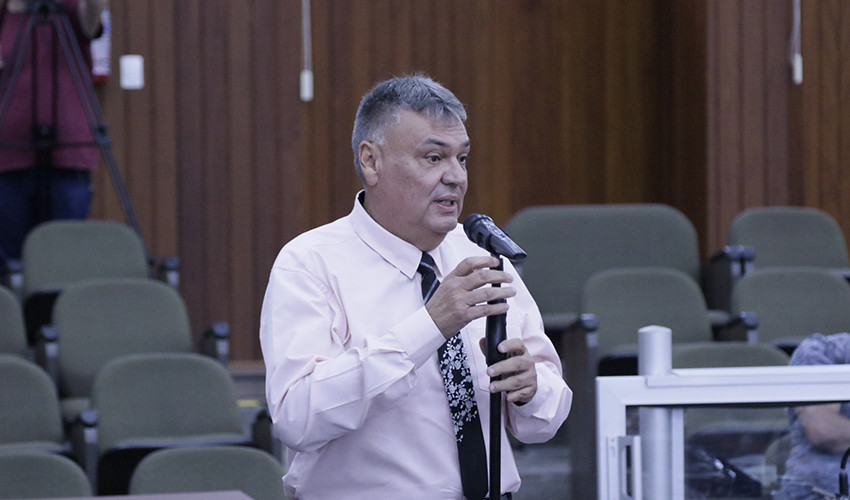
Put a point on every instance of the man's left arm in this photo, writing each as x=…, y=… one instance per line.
x=538, y=398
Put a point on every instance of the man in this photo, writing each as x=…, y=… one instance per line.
x=360, y=355
x=820, y=434
x=39, y=184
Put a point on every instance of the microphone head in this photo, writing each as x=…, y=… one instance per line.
x=482, y=231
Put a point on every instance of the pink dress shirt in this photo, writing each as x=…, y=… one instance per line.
x=352, y=377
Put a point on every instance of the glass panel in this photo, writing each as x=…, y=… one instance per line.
x=726, y=448
x=738, y=452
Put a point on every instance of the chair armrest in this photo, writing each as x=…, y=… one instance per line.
x=722, y=271
x=215, y=342
x=560, y=323
x=560, y=327
x=166, y=269
x=46, y=350
x=84, y=443
x=12, y=275
x=743, y=327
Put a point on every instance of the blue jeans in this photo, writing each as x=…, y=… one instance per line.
x=31, y=196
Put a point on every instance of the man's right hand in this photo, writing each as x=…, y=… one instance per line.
x=463, y=295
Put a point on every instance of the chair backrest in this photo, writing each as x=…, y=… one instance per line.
x=627, y=299
x=60, y=252
x=566, y=244
x=13, y=335
x=728, y=354
x=716, y=424
x=180, y=470
x=790, y=236
x=99, y=320
x=162, y=397
x=29, y=407
x=41, y=475
x=794, y=302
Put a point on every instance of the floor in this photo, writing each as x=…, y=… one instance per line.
x=544, y=468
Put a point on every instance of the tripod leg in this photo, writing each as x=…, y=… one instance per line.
x=94, y=115
x=9, y=76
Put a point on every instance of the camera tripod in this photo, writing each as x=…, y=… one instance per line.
x=44, y=140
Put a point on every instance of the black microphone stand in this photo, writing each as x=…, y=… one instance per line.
x=483, y=232
x=496, y=333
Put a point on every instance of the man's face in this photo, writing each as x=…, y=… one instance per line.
x=416, y=179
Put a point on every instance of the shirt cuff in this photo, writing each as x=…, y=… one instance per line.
x=538, y=401
x=419, y=336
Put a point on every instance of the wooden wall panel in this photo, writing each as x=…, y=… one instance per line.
x=824, y=112
x=779, y=165
x=570, y=101
x=225, y=163
x=749, y=117
x=685, y=131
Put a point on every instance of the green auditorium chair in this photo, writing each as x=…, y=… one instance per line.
x=144, y=402
x=13, y=339
x=97, y=320
x=794, y=302
x=41, y=475
x=30, y=419
x=57, y=253
x=783, y=236
x=625, y=300
x=214, y=468
x=776, y=236
x=742, y=430
x=567, y=244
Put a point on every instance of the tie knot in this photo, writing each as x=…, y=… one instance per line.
x=426, y=264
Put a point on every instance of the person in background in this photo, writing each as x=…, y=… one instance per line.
x=54, y=182
x=820, y=434
x=365, y=351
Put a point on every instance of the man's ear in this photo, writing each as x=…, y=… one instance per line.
x=369, y=157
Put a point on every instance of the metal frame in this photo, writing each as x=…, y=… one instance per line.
x=671, y=393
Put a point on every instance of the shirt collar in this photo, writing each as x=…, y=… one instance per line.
x=399, y=253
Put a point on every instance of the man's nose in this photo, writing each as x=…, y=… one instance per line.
x=455, y=173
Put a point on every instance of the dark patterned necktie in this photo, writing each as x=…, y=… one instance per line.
x=461, y=394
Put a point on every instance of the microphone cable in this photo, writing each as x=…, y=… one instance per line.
x=843, y=490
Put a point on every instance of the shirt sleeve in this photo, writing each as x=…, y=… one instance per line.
x=538, y=420
x=318, y=389
x=818, y=349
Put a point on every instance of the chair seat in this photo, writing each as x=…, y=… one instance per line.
x=166, y=441
x=34, y=447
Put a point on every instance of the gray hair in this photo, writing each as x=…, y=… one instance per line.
x=380, y=106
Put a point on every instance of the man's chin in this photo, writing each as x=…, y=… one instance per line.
x=444, y=225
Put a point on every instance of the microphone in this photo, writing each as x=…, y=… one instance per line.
x=486, y=234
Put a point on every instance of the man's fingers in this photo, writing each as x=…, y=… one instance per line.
x=466, y=291
x=487, y=294
x=470, y=264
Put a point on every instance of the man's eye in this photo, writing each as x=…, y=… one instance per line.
x=433, y=158
x=462, y=159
